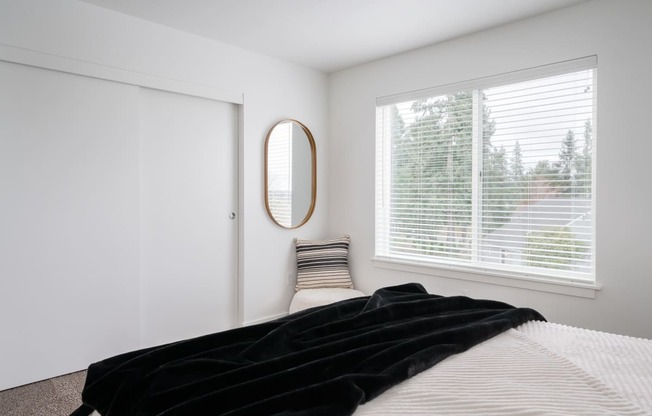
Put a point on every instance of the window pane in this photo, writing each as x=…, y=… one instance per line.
x=536, y=187
x=495, y=178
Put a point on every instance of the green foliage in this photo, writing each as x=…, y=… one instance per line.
x=544, y=181
x=431, y=164
x=567, y=157
x=497, y=190
x=583, y=163
x=516, y=165
x=553, y=248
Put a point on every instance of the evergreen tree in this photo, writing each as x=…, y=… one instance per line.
x=517, y=162
x=488, y=128
x=518, y=188
x=567, y=156
x=583, y=163
x=431, y=164
x=588, y=142
x=496, y=193
x=544, y=180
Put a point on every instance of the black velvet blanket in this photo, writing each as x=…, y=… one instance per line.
x=322, y=361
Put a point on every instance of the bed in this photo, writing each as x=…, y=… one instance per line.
x=399, y=351
x=538, y=368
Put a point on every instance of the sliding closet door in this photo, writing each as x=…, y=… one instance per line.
x=115, y=228
x=189, y=247
x=69, y=215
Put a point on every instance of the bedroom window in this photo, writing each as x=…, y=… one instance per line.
x=492, y=175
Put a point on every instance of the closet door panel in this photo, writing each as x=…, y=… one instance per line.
x=69, y=214
x=189, y=246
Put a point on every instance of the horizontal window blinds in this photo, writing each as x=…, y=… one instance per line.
x=279, y=185
x=498, y=177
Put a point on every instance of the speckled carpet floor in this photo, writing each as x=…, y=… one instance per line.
x=53, y=397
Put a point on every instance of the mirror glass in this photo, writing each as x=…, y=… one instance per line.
x=290, y=174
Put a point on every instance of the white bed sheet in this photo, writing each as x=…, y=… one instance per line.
x=621, y=362
x=539, y=368
x=514, y=374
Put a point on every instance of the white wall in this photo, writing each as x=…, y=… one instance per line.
x=619, y=33
x=273, y=90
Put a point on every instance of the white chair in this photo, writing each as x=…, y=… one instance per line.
x=309, y=298
x=322, y=273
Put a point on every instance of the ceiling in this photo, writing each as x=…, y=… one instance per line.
x=330, y=35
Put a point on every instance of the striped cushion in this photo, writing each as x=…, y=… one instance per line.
x=323, y=263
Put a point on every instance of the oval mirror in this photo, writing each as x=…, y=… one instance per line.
x=290, y=174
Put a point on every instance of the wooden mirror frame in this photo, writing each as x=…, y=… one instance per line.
x=313, y=169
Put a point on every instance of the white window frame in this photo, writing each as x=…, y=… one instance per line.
x=443, y=268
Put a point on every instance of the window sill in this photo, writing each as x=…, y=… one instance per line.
x=492, y=277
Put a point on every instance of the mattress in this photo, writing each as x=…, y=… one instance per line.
x=539, y=368
x=622, y=363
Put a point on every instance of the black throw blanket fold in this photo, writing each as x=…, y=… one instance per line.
x=321, y=361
